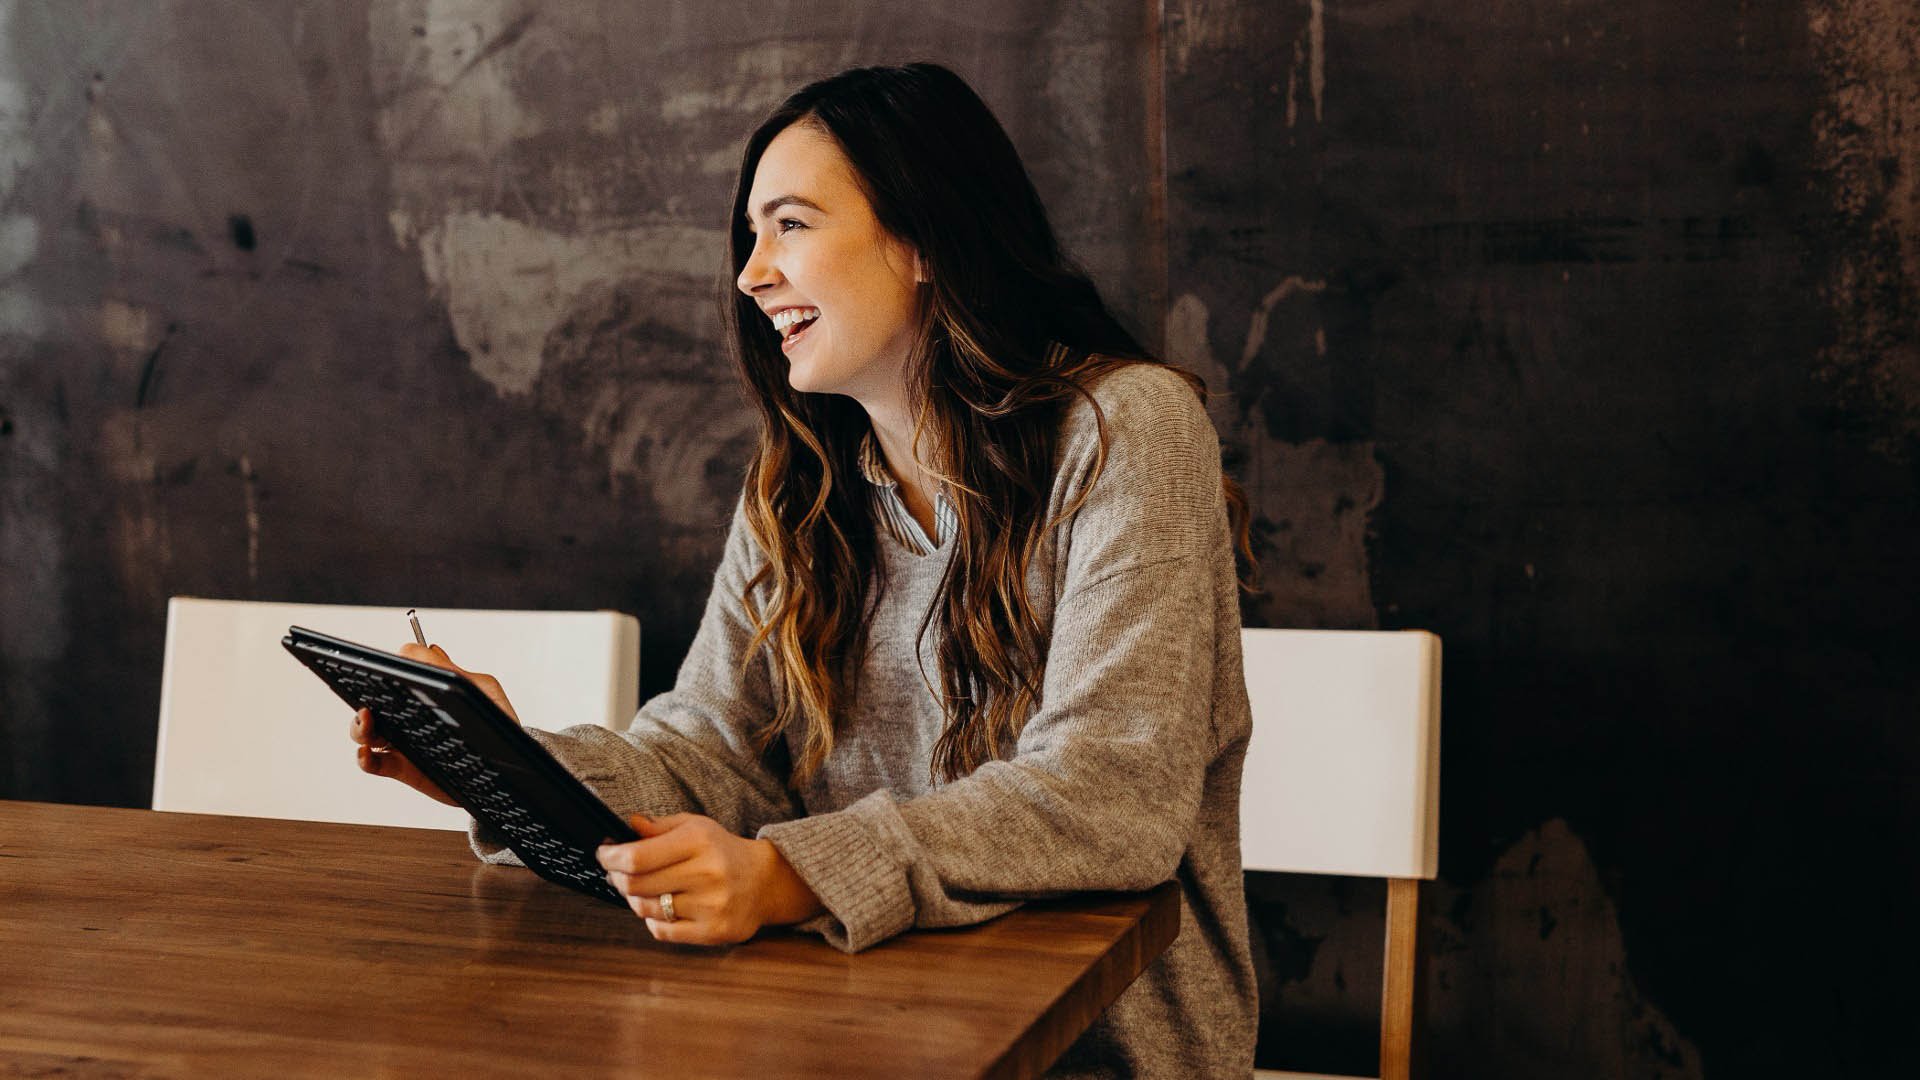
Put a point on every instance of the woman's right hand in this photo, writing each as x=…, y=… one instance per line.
x=378, y=756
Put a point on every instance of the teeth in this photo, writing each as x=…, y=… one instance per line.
x=785, y=320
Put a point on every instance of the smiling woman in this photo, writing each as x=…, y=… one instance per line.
x=975, y=638
x=819, y=248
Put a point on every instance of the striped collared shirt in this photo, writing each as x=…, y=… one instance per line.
x=892, y=509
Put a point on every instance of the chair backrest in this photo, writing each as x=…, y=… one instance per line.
x=245, y=729
x=1343, y=772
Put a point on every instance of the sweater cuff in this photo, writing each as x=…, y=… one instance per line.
x=488, y=845
x=864, y=891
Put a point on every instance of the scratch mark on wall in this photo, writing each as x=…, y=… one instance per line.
x=1257, y=323
x=150, y=370
x=505, y=39
x=1204, y=27
x=1293, y=83
x=250, y=488
x=1309, y=49
x=1317, y=57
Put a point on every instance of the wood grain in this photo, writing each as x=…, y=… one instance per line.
x=142, y=944
x=1400, y=985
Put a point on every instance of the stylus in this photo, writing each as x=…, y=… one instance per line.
x=415, y=620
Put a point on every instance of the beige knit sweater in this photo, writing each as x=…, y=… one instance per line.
x=1127, y=775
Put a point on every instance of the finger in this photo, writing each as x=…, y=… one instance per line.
x=644, y=905
x=361, y=730
x=649, y=856
x=392, y=765
x=386, y=763
x=685, y=932
x=649, y=907
x=675, y=879
x=428, y=654
x=437, y=656
x=657, y=826
x=379, y=763
x=681, y=931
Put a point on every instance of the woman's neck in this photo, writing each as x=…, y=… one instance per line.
x=893, y=429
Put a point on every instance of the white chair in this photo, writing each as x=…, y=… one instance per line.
x=245, y=729
x=1343, y=777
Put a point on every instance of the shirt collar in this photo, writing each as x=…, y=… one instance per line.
x=872, y=465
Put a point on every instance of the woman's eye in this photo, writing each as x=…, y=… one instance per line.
x=788, y=224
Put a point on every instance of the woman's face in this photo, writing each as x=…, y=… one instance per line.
x=819, y=251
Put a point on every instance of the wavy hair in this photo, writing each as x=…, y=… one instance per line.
x=988, y=392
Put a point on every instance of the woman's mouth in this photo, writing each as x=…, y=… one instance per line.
x=799, y=330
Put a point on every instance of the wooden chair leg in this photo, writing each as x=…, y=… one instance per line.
x=1397, y=1013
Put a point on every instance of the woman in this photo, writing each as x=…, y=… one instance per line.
x=975, y=636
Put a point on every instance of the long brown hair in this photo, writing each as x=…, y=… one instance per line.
x=988, y=388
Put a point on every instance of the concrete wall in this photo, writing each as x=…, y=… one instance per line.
x=1582, y=334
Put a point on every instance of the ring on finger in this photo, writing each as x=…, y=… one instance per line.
x=666, y=907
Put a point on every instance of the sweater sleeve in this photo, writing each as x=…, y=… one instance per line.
x=687, y=749
x=1104, y=787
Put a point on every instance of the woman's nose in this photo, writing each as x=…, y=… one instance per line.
x=758, y=274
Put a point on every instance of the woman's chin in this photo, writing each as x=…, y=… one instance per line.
x=800, y=377
x=806, y=376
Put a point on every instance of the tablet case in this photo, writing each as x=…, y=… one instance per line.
x=478, y=755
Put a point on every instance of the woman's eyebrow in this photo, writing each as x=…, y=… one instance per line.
x=767, y=208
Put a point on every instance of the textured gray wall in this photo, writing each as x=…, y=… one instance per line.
x=1582, y=334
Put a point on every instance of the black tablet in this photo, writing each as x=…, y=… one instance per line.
x=478, y=755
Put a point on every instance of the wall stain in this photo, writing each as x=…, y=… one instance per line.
x=240, y=230
x=1869, y=53
x=1311, y=499
x=434, y=89
x=1309, y=49
x=650, y=394
x=508, y=284
x=1542, y=920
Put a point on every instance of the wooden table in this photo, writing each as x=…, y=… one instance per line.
x=143, y=944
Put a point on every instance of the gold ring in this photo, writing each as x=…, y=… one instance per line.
x=666, y=907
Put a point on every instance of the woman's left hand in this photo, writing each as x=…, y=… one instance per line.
x=724, y=887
